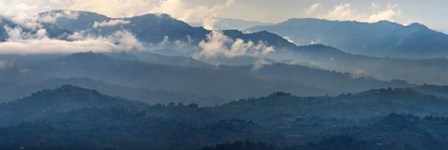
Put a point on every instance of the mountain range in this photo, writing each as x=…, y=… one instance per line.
x=379, y=39
x=234, y=81
x=153, y=29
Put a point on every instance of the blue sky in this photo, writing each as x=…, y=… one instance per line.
x=429, y=12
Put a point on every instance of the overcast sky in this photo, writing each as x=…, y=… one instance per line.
x=432, y=13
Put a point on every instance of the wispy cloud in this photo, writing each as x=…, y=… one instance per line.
x=345, y=11
x=313, y=8
x=199, y=13
x=110, y=23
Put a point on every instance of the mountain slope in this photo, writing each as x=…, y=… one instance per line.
x=64, y=99
x=73, y=21
x=234, y=82
x=384, y=39
x=281, y=107
x=418, y=71
x=151, y=29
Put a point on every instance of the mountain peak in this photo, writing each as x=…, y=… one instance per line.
x=52, y=101
x=417, y=26
x=388, y=23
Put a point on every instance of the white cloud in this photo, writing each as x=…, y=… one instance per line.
x=20, y=42
x=188, y=13
x=288, y=39
x=110, y=23
x=313, y=8
x=342, y=12
x=219, y=45
x=388, y=14
x=345, y=11
x=17, y=34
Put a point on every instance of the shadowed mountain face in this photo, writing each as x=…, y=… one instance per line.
x=384, y=39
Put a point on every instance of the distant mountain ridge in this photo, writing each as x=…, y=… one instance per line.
x=383, y=38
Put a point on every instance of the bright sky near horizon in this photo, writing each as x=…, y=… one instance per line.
x=430, y=12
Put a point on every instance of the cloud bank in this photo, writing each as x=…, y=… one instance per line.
x=20, y=42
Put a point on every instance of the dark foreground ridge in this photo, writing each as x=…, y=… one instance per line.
x=75, y=118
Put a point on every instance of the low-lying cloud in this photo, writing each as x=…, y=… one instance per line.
x=219, y=45
x=20, y=42
x=110, y=23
